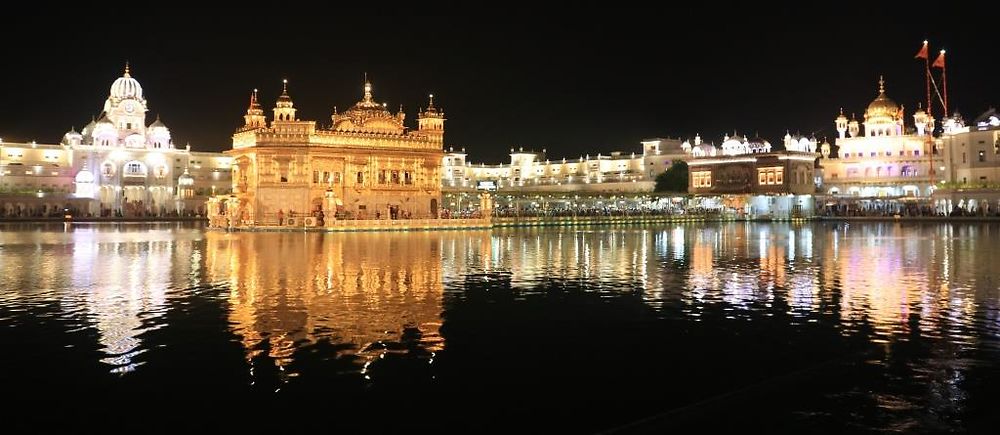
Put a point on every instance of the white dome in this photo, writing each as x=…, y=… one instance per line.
x=126, y=87
x=84, y=176
x=703, y=150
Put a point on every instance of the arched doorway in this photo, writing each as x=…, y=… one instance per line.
x=434, y=207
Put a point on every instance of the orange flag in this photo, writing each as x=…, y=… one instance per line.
x=922, y=54
x=939, y=63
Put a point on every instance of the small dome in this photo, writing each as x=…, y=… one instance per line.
x=703, y=150
x=104, y=120
x=284, y=100
x=185, y=179
x=732, y=142
x=126, y=87
x=157, y=123
x=89, y=128
x=84, y=176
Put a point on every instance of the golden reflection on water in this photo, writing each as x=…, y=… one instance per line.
x=293, y=290
x=288, y=291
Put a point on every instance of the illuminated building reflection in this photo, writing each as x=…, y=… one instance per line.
x=113, y=279
x=363, y=292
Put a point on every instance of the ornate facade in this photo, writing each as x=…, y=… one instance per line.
x=365, y=166
x=887, y=161
x=115, y=166
x=749, y=178
x=531, y=171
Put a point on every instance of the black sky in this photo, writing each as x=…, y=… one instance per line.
x=572, y=85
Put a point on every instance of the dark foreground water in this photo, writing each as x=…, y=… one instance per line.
x=694, y=327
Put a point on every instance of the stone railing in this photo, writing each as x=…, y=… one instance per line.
x=310, y=223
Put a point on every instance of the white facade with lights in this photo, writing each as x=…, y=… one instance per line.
x=117, y=165
x=972, y=165
x=531, y=171
x=886, y=161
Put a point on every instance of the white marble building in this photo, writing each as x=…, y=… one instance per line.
x=117, y=165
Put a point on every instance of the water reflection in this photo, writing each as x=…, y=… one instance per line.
x=114, y=279
x=368, y=295
x=914, y=309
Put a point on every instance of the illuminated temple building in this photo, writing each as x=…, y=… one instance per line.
x=117, y=165
x=751, y=179
x=887, y=160
x=367, y=165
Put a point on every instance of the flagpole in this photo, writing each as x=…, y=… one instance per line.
x=927, y=69
x=944, y=79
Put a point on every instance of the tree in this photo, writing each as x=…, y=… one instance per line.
x=674, y=179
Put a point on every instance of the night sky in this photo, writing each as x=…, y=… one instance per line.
x=571, y=85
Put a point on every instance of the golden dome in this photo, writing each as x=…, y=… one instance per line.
x=883, y=105
x=367, y=116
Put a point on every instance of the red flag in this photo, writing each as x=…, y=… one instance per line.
x=939, y=63
x=922, y=54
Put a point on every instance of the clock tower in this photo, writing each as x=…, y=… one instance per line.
x=126, y=106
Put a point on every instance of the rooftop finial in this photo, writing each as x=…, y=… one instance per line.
x=841, y=111
x=881, y=84
x=284, y=86
x=368, y=89
x=431, y=105
x=126, y=70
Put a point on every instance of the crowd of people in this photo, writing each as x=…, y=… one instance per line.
x=906, y=210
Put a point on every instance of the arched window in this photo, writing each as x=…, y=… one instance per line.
x=361, y=177
x=135, y=169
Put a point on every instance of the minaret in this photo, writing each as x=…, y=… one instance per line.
x=852, y=127
x=900, y=118
x=431, y=121
x=841, y=122
x=283, y=109
x=920, y=119
x=255, y=115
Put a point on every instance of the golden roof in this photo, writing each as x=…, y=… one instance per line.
x=369, y=116
x=883, y=105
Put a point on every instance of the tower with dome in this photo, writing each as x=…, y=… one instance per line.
x=880, y=158
x=136, y=168
x=117, y=165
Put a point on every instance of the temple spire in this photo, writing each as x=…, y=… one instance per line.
x=881, y=84
x=368, y=89
x=127, y=70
